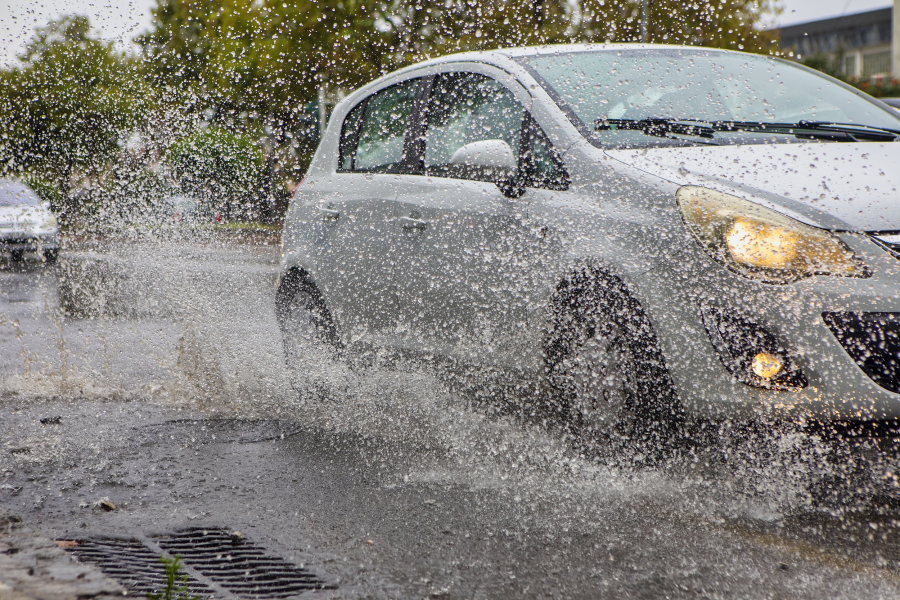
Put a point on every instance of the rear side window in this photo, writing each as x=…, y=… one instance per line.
x=373, y=135
x=350, y=136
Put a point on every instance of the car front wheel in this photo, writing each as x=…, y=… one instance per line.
x=605, y=367
x=312, y=348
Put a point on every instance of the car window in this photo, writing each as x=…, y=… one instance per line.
x=696, y=84
x=14, y=194
x=374, y=132
x=466, y=108
x=540, y=163
x=350, y=136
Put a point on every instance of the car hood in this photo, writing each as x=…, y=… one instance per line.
x=22, y=213
x=850, y=186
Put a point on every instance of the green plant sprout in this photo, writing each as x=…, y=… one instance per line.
x=173, y=590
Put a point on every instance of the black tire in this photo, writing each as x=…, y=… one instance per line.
x=309, y=337
x=17, y=256
x=605, y=368
x=303, y=317
x=51, y=256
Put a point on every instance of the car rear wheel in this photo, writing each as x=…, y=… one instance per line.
x=312, y=348
x=606, y=369
x=50, y=256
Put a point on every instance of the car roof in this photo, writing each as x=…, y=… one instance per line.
x=504, y=54
x=504, y=57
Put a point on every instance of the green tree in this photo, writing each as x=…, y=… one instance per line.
x=253, y=67
x=264, y=59
x=221, y=169
x=65, y=108
x=206, y=48
x=731, y=24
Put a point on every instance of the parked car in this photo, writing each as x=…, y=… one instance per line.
x=181, y=210
x=26, y=223
x=633, y=234
x=893, y=103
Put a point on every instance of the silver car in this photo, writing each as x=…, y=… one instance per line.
x=26, y=223
x=622, y=235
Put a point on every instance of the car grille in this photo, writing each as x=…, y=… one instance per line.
x=891, y=242
x=873, y=341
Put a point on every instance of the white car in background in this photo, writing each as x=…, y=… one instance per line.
x=893, y=103
x=617, y=235
x=26, y=223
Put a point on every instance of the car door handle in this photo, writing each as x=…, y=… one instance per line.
x=410, y=224
x=329, y=214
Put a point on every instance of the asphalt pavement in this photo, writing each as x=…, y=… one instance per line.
x=142, y=393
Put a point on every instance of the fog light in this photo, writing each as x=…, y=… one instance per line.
x=766, y=365
x=750, y=352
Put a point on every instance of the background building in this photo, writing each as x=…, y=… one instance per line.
x=867, y=43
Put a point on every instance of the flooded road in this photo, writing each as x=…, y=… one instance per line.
x=162, y=319
x=162, y=361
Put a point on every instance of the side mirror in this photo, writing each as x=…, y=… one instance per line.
x=486, y=154
x=494, y=160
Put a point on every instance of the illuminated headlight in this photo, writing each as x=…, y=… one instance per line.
x=760, y=243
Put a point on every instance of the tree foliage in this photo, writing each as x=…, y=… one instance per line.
x=223, y=170
x=879, y=87
x=66, y=106
x=265, y=59
x=731, y=24
x=252, y=70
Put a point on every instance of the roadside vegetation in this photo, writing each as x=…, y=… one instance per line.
x=220, y=99
x=879, y=87
x=176, y=587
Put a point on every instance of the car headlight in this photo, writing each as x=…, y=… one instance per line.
x=49, y=222
x=760, y=243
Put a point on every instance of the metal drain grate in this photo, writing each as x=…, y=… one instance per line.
x=132, y=564
x=218, y=563
x=239, y=566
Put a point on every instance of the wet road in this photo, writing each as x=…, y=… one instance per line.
x=163, y=363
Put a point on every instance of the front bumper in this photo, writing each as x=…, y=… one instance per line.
x=837, y=388
x=17, y=241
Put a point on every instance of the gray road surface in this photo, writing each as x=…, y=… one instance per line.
x=162, y=361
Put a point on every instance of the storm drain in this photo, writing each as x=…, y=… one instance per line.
x=132, y=564
x=238, y=566
x=219, y=564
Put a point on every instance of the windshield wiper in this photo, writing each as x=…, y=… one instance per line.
x=820, y=130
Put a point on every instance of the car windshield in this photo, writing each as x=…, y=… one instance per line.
x=703, y=85
x=15, y=194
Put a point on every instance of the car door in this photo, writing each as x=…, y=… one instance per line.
x=478, y=253
x=355, y=211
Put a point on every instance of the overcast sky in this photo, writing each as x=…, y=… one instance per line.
x=123, y=19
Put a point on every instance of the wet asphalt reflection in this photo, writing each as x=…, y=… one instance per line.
x=149, y=374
